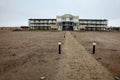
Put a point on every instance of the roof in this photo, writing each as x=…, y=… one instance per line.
x=41, y=19
x=24, y=27
x=67, y=15
x=92, y=19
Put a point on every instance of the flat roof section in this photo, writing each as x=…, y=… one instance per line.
x=42, y=19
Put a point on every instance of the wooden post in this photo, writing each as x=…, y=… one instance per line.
x=64, y=36
x=94, y=44
x=59, y=47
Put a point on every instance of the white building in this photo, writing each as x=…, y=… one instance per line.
x=68, y=22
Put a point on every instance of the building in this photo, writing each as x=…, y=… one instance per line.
x=24, y=28
x=112, y=28
x=9, y=28
x=68, y=22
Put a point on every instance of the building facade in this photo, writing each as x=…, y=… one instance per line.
x=68, y=22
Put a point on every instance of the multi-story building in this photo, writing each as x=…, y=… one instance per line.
x=68, y=22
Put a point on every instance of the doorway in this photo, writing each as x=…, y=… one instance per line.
x=67, y=26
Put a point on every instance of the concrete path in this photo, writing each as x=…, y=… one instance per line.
x=77, y=64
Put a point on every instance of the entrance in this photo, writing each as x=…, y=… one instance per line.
x=67, y=26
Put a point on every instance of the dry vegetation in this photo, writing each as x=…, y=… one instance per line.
x=107, y=48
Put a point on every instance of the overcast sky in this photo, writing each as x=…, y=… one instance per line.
x=17, y=12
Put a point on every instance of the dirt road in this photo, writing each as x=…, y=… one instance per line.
x=77, y=64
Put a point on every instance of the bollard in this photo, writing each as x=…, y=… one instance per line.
x=64, y=36
x=94, y=44
x=59, y=47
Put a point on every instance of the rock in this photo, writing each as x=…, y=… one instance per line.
x=42, y=78
x=98, y=58
x=117, y=78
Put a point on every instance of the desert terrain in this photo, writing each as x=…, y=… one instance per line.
x=33, y=54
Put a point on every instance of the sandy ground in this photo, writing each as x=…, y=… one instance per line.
x=107, y=48
x=29, y=55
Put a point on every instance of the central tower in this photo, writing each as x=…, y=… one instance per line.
x=67, y=22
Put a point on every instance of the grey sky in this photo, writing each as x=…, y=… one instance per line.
x=17, y=12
